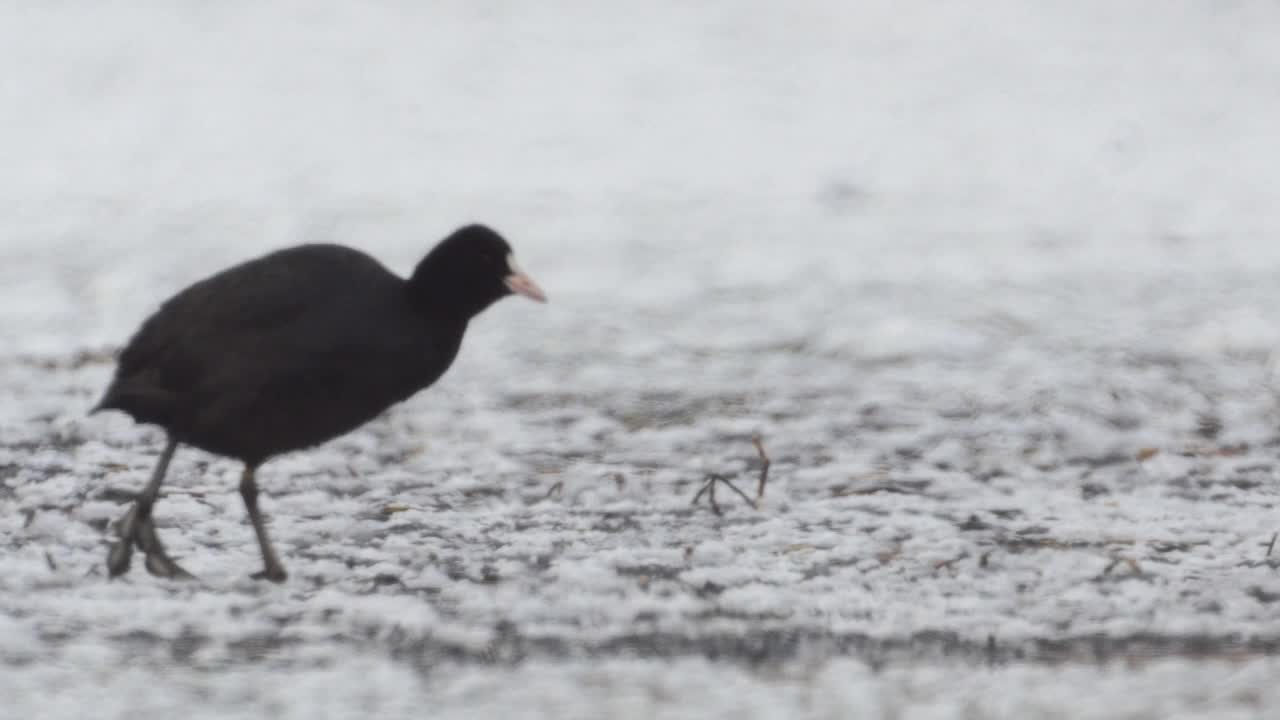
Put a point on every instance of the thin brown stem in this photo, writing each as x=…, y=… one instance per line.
x=764, y=466
x=709, y=489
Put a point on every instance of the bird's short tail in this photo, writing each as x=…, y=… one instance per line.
x=104, y=404
x=142, y=402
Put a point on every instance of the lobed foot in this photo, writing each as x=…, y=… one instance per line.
x=137, y=528
x=274, y=573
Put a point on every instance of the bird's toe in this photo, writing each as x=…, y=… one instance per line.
x=274, y=573
x=119, y=557
x=162, y=565
x=127, y=525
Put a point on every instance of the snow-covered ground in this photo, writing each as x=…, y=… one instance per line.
x=997, y=283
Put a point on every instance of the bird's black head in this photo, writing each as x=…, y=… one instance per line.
x=469, y=271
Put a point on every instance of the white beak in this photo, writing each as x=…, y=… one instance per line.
x=521, y=284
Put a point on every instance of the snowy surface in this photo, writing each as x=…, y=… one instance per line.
x=997, y=284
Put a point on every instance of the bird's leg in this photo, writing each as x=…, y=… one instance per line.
x=137, y=527
x=271, y=568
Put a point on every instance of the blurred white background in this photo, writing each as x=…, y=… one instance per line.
x=640, y=156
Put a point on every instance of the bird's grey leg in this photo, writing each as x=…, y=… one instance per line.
x=271, y=568
x=137, y=527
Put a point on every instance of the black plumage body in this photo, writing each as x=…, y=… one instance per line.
x=283, y=352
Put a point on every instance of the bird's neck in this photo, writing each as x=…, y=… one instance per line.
x=442, y=311
x=446, y=298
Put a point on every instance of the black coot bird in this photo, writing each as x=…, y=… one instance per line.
x=290, y=350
